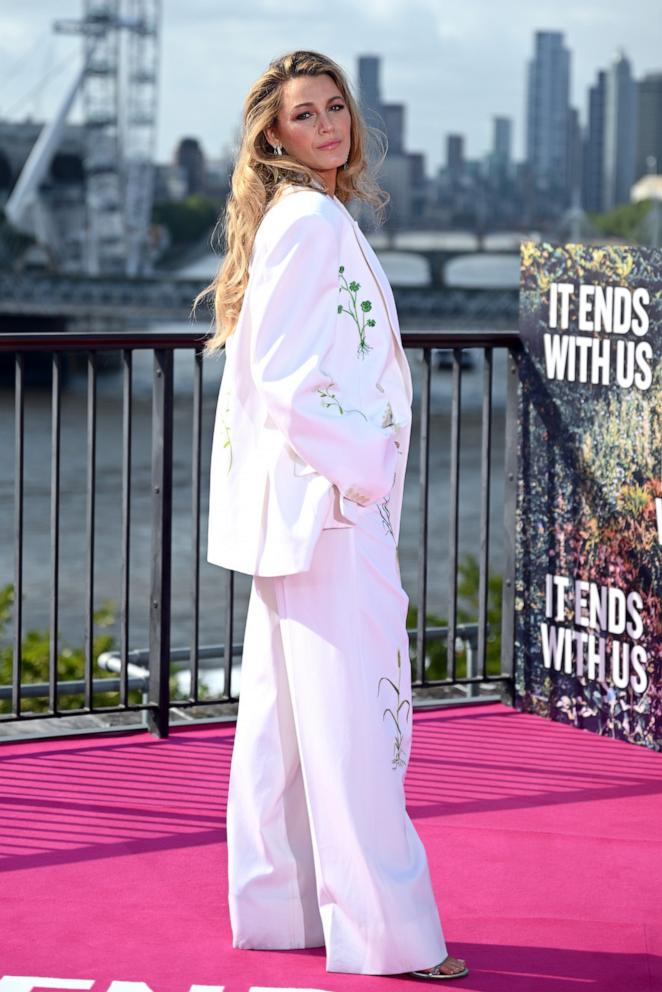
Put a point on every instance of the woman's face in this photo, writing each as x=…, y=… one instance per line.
x=313, y=114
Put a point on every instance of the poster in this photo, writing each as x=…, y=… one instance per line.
x=588, y=556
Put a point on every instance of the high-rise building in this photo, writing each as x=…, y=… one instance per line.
x=393, y=115
x=400, y=173
x=416, y=168
x=455, y=154
x=395, y=177
x=575, y=155
x=649, y=121
x=547, y=110
x=370, y=99
x=190, y=158
x=501, y=155
x=594, y=143
x=620, y=148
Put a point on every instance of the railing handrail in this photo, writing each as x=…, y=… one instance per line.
x=184, y=337
x=157, y=701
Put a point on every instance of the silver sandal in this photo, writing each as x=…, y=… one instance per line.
x=436, y=975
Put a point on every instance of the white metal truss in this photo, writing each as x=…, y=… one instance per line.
x=139, y=128
x=118, y=84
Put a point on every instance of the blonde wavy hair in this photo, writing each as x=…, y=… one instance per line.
x=259, y=177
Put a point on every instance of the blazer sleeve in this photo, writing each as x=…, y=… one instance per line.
x=294, y=309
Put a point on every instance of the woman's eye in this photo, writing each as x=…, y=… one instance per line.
x=339, y=106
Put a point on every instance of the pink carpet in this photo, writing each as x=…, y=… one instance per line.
x=544, y=844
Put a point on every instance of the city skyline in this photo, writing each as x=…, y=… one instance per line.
x=394, y=30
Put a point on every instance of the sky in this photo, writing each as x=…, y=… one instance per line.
x=454, y=65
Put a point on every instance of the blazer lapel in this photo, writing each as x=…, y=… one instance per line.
x=386, y=293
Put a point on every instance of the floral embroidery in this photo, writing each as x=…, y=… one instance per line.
x=329, y=399
x=398, y=756
x=226, y=428
x=352, y=289
x=385, y=514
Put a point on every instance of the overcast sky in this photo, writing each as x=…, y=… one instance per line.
x=453, y=65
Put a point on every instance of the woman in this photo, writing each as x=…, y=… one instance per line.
x=308, y=458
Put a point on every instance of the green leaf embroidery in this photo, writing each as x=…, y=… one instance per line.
x=227, y=443
x=352, y=289
x=399, y=759
x=385, y=514
x=329, y=399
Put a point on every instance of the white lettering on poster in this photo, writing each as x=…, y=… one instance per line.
x=603, y=612
x=611, y=311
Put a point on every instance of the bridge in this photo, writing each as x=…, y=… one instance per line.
x=62, y=298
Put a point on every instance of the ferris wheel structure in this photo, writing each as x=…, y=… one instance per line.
x=117, y=82
x=119, y=89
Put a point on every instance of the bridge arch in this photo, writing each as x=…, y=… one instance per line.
x=406, y=268
x=484, y=270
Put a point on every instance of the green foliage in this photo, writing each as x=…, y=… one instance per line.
x=70, y=663
x=467, y=612
x=189, y=219
x=468, y=578
x=624, y=221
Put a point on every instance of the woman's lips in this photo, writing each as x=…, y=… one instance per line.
x=329, y=145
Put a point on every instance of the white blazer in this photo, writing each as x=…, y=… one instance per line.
x=315, y=393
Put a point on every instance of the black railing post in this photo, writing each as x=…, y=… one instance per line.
x=56, y=428
x=484, y=549
x=160, y=586
x=90, y=495
x=423, y=485
x=453, y=513
x=194, y=657
x=509, y=526
x=228, y=645
x=127, y=437
x=19, y=468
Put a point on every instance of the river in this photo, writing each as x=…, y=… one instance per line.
x=107, y=534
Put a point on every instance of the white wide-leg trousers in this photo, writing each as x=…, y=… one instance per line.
x=321, y=850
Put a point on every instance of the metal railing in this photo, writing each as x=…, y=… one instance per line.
x=148, y=671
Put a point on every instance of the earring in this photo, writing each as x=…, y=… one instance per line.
x=278, y=149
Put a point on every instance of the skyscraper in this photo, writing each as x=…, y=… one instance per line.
x=620, y=149
x=547, y=110
x=501, y=157
x=190, y=158
x=594, y=144
x=455, y=154
x=370, y=98
x=574, y=156
x=393, y=115
x=649, y=118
